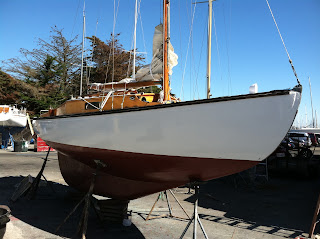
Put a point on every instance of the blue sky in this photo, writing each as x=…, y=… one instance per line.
x=249, y=49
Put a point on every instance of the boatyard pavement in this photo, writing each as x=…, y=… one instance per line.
x=231, y=207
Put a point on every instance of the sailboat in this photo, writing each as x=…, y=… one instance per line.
x=153, y=142
x=12, y=121
x=11, y=116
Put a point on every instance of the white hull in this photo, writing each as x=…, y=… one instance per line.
x=12, y=117
x=19, y=121
x=240, y=129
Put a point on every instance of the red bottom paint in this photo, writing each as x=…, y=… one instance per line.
x=134, y=175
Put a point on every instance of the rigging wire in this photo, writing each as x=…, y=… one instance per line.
x=142, y=31
x=75, y=19
x=83, y=47
x=189, y=16
x=192, y=60
x=113, y=29
x=115, y=13
x=160, y=8
x=143, y=38
x=91, y=57
x=191, y=63
x=190, y=35
x=196, y=88
x=218, y=51
x=196, y=69
x=290, y=61
x=180, y=36
x=133, y=39
x=227, y=48
x=129, y=63
x=112, y=51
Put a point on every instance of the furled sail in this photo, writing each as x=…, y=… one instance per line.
x=154, y=70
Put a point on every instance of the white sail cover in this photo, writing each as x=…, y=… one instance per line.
x=154, y=70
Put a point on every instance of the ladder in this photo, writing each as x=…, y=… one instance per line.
x=261, y=169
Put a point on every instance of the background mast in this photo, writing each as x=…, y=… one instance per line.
x=209, y=49
x=83, y=30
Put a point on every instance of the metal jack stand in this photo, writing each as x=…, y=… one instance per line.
x=35, y=184
x=169, y=207
x=32, y=185
x=87, y=199
x=314, y=220
x=195, y=217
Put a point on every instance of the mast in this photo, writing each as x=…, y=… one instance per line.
x=209, y=49
x=305, y=108
x=311, y=103
x=166, y=91
x=83, y=29
x=135, y=41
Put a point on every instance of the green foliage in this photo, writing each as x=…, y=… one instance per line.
x=11, y=86
x=111, y=62
x=34, y=98
x=12, y=91
x=50, y=71
x=54, y=62
x=48, y=75
x=47, y=72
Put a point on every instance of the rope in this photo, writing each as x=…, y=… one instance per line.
x=290, y=61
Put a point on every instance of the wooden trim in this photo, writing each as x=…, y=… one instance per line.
x=177, y=104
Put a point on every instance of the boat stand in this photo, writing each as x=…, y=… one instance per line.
x=315, y=219
x=195, y=217
x=82, y=228
x=30, y=185
x=169, y=207
x=35, y=184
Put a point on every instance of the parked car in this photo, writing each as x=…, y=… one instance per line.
x=283, y=148
x=318, y=138
x=301, y=139
x=314, y=139
x=288, y=143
